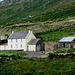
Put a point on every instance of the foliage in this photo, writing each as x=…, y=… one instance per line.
x=5, y=71
x=13, y=53
x=3, y=41
x=71, y=50
x=64, y=50
x=56, y=34
x=41, y=10
x=61, y=50
x=38, y=66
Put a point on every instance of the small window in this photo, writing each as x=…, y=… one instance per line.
x=21, y=45
x=11, y=40
x=21, y=40
x=11, y=46
x=16, y=40
x=16, y=45
x=4, y=47
x=27, y=48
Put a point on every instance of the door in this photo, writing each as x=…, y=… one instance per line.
x=27, y=48
x=37, y=47
x=64, y=45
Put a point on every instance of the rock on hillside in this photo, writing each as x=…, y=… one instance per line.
x=10, y=2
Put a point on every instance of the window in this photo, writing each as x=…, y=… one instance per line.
x=27, y=48
x=11, y=46
x=16, y=45
x=21, y=40
x=16, y=40
x=4, y=47
x=21, y=45
x=11, y=40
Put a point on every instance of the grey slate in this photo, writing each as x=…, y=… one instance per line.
x=18, y=35
x=33, y=41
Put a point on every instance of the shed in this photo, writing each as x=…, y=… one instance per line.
x=66, y=42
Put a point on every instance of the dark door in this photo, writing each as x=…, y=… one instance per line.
x=71, y=46
x=64, y=45
x=27, y=48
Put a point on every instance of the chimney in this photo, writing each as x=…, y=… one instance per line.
x=12, y=32
x=30, y=31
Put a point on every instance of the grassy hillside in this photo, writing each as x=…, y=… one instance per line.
x=59, y=32
x=41, y=10
x=46, y=18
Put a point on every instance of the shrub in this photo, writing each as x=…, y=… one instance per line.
x=5, y=71
x=50, y=56
x=71, y=50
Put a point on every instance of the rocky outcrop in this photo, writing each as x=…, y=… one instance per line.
x=10, y=2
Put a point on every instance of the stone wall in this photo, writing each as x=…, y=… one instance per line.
x=49, y=45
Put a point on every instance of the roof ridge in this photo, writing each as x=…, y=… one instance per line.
x=18, y=35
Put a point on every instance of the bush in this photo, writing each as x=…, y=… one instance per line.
x=50, y=56
x=71, y=50
x=5, y=71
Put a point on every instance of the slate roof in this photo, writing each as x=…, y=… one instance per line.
x=67, y=39
x=33, y=41
x=18, y=35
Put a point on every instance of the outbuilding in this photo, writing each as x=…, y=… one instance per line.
x=67, y=42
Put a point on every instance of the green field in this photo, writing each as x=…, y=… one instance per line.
x=13, y=53
x=38, y=66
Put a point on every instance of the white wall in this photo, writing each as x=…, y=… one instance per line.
x=17, y=45
x=30, y=36
x=3, y=47
x=32, y=47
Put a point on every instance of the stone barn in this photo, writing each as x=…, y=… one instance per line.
x=67, y=42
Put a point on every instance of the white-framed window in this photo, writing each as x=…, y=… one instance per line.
x=16, y=40
x=11, y=40
x=11, y=46
x=21, y=40
x=4, y=47
x=16, y=45
x=27, y=48
x=21, y=45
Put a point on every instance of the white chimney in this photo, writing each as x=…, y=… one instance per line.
x=30, y=31
x=12, y=32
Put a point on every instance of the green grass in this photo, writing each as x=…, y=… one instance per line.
x=71, y=50
x=15, y=13
x=56, y=34
x=10, y=53
x=38, y=66
x=62, y=50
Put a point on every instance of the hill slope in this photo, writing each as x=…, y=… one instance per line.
x=45, y=16
x=36, y=10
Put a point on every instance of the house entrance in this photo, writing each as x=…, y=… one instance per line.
x=64, y=45
x=38, y=48
x=27, y=48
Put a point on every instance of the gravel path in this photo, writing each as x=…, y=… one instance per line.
x=33, y=54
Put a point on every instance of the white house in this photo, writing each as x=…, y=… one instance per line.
x=23, y=41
